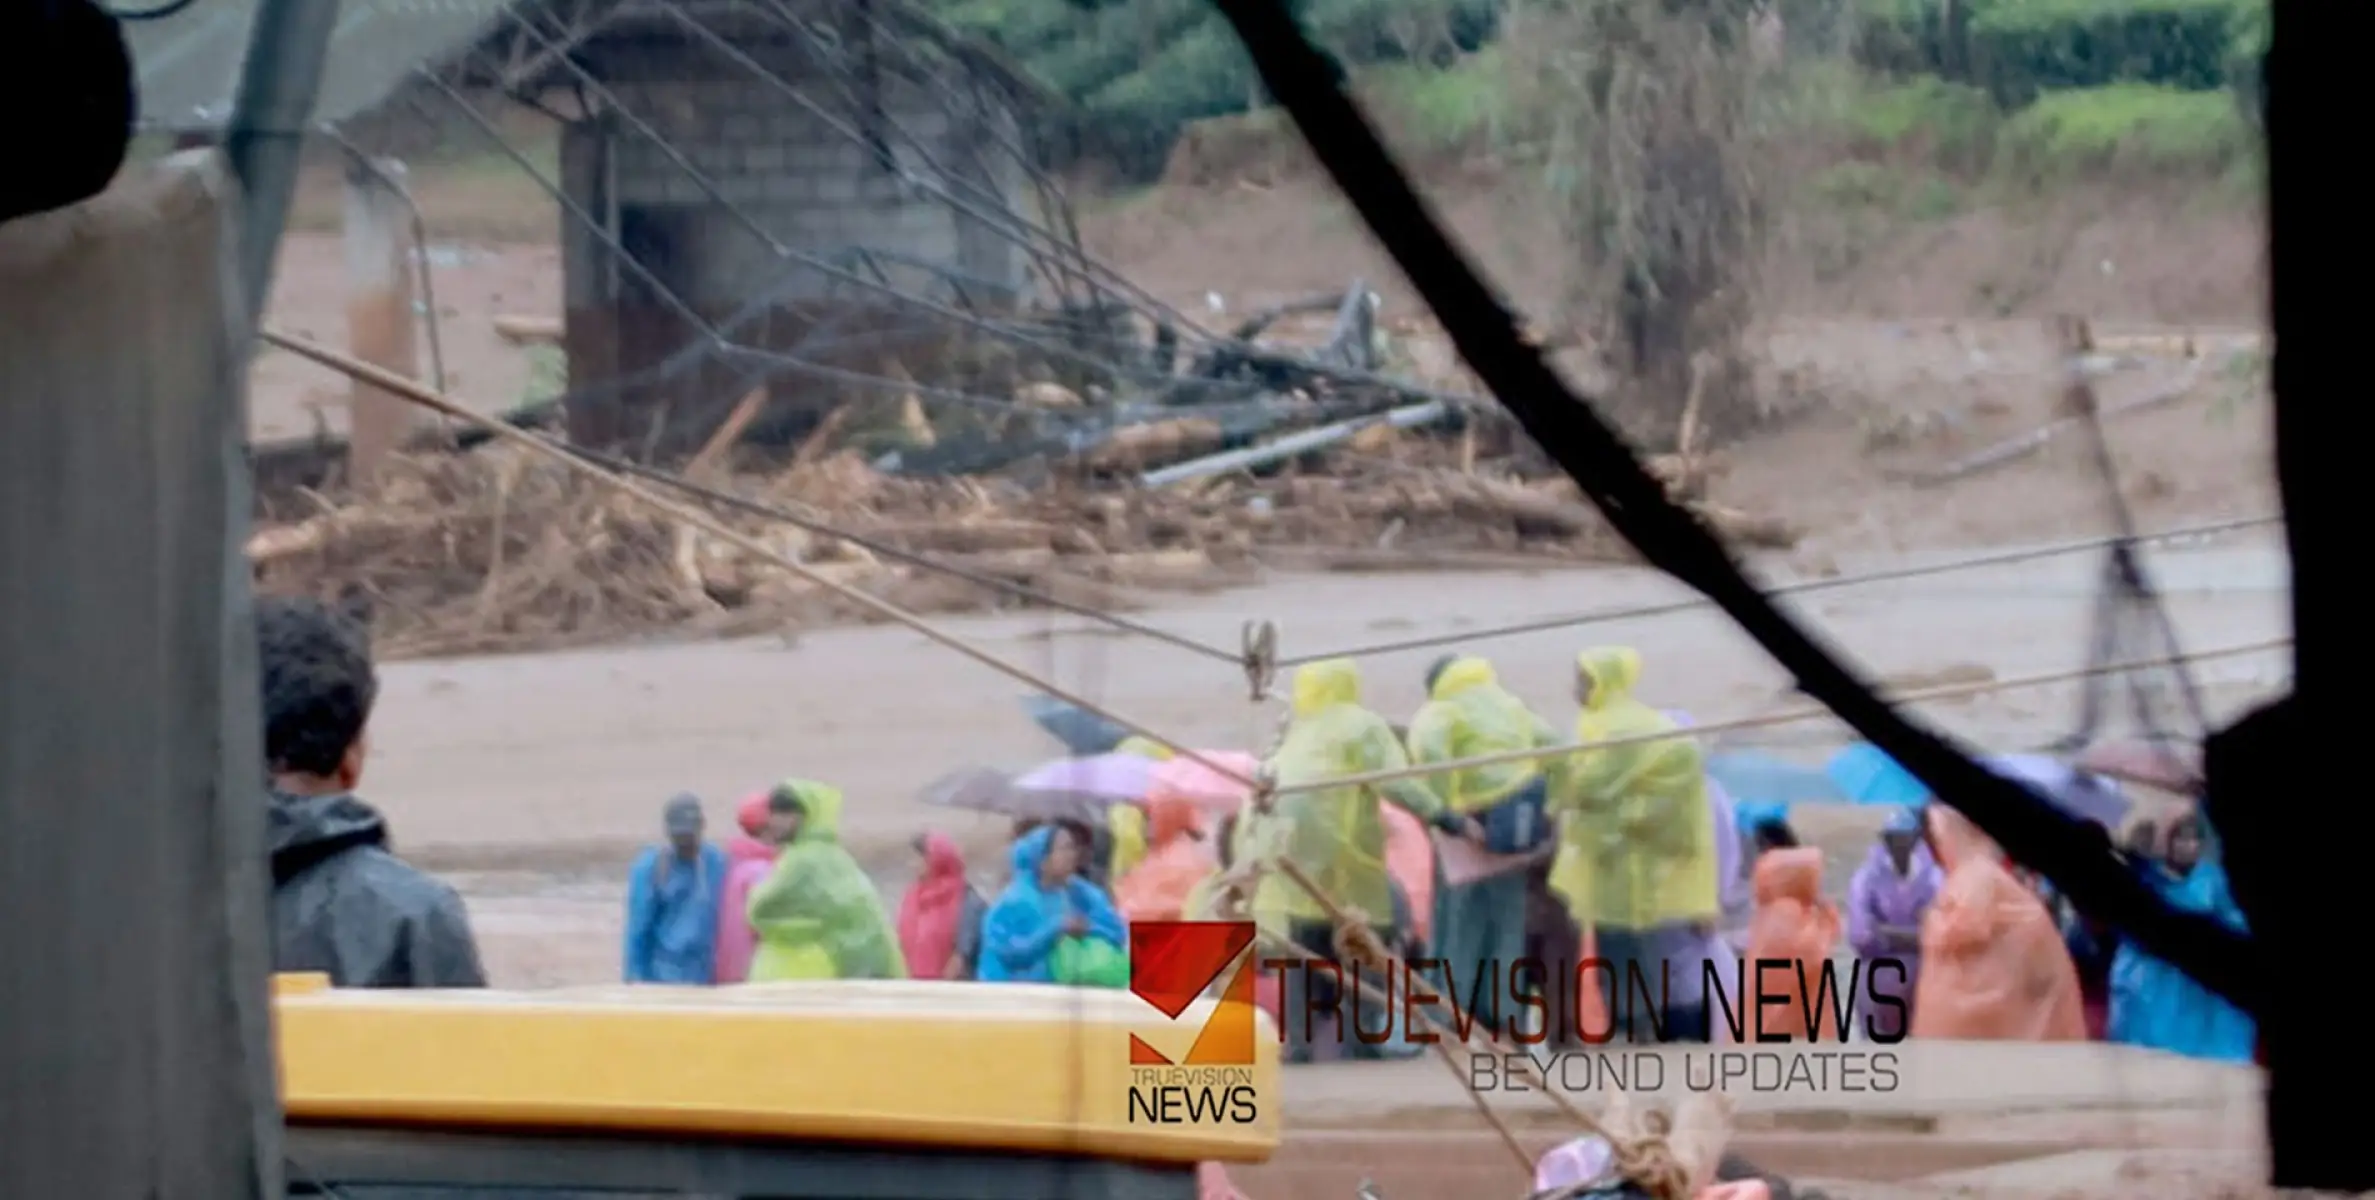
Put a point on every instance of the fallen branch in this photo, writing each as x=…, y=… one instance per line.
x=2016, y=448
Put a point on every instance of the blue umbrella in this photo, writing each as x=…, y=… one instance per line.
x=1750, y=777
x=1082, y=732
x=1865, y=775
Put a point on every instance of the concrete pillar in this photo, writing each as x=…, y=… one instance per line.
x=380, y=262
x=135, y=1044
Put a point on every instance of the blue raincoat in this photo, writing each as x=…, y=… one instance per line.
x=1019, y=936
x=672, y=916
x=2155, y=1004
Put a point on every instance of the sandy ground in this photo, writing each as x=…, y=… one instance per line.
x=537, y=776
x=529, y=780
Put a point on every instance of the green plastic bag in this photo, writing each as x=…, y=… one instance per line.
x=1090, y=962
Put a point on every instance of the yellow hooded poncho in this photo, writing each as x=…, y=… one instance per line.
x=817, y=915
x=1636, y=838
x=1127, y=822
x=1335, y=835
x=1469, y=714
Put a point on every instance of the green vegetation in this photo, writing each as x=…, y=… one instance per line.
x=2031, y=90
x=1138, y=71
x=2126, y=128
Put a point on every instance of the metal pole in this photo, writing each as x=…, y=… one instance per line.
x=1293, y=444
x=286, y=50
x=278, y=87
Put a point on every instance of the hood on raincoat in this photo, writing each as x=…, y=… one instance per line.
x=1793, y=923
x=818, y=916
x=1994, y=965
x=1020, y=933
x=930, y=911
x=1461, y=674
x=1637, y=838
x=1612, y=671
x=1954, y=840
x=1324, y=684
x=751, y=814
x=1468, y=715
x=344, y=906
x=1332, y=832
x=751, y=846
x=1178, y=857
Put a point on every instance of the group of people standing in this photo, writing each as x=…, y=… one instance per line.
x=1652, y=868
x=1993, y=952
x=784, y=900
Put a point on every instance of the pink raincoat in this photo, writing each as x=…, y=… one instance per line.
x=749, y=860
x=931, y=909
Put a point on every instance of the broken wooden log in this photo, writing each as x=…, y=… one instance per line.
x=522, y=329
x=1136, y=447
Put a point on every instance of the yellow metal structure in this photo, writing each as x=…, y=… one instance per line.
x=1016, y=1067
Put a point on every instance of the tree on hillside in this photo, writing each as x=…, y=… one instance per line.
x=1643, y=108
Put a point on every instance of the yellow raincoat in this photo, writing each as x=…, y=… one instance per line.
x=1335, y=835
x=1127, y=822
x=817, y=915
x=1469, y=714
x=1636, y=838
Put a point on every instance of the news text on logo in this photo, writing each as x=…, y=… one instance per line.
x=1172, y=963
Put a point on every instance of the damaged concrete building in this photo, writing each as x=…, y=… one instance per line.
x=799, y=194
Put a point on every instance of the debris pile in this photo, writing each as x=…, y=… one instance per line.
x=496, y=549
x=1256, y=454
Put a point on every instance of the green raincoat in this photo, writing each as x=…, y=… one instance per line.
x=1636, y=838
x=1335, y=835
x=818, y=916
x=1468, y=715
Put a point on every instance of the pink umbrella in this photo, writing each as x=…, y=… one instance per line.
x=1068, y=789
x=1217, y=795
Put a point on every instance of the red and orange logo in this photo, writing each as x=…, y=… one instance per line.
x=1174, y=962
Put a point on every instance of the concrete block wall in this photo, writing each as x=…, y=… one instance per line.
x=800, y=176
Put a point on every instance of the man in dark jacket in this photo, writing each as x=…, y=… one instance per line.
x=341, y=903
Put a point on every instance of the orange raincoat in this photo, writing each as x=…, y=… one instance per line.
x=1178, y=857
x=1993, y=965
x=1794, y=924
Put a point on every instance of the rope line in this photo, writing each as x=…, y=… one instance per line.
x=1951, y=691
x=1647, y=1161
x=1802, y=587
x=413, y=392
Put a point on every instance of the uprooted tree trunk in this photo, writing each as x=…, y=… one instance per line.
x=1645, y=108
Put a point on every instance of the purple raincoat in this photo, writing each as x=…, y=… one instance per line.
x=1878, y=897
